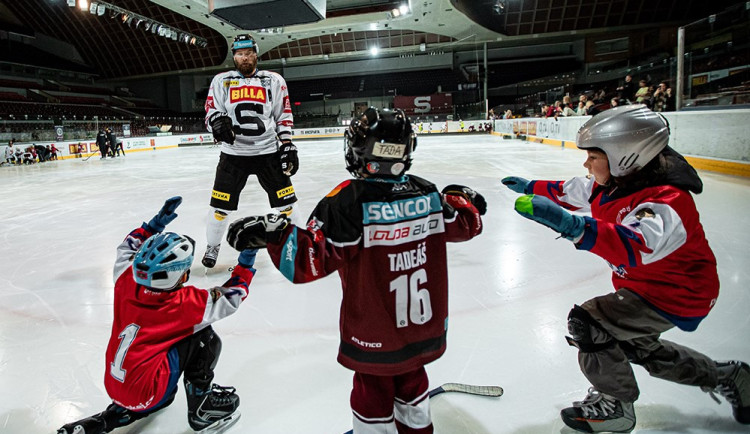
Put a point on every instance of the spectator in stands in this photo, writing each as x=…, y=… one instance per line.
x=543, y=111
x=508, y=114
x=581, y=110
x=627, y=90
x=101, y=143
x=663, y=100
x=567, y=110
x=614, y=102
x=643, y=94
x=590, y=109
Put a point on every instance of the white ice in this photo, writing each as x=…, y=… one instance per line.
x=511, y=290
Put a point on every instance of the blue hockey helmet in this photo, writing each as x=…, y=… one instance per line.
x=379, y=144
x=244, y=41
x=162, y=260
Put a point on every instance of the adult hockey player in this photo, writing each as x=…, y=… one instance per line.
x=385, y=233
x=162, y=329
x=248, y=112
x=101, y=143
x=644, y=223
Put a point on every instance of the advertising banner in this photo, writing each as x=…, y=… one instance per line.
x=437, y=103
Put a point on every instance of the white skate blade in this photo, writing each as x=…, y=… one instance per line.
x=221, y=425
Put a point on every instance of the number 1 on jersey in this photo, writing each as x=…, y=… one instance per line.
x=127, y=336
x=412, y=303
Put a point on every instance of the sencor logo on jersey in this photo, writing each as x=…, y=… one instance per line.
x=247, y=93
x=404, y=232
x=390, y=212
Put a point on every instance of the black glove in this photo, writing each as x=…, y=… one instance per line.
x=467, y=193
x=254, y=232
x=221, y=127
x=288, y=157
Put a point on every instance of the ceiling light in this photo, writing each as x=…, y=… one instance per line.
x=83, y=4
x=374, y=51
x=404, y=9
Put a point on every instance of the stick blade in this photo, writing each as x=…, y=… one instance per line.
x=493, y=391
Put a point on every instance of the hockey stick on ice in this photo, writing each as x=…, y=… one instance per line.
x=492, y=391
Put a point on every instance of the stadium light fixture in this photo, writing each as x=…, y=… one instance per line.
x=134, y=20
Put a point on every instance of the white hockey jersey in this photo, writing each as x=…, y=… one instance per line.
x=258, y=106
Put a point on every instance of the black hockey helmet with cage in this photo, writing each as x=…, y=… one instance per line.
x=244, y=41
x=379, y=144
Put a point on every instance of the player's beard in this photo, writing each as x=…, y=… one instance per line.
x=247, y=67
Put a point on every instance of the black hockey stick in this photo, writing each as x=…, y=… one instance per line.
x=92, y=154
x=492, y=391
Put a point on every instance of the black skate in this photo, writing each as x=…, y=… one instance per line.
x=90, y=425
x=734, y=386
x=209, y=258
x=211, y=411
x=599, y=413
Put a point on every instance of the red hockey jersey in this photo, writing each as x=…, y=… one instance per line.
x=387, y=241
x=146, y=325
x=653, y=241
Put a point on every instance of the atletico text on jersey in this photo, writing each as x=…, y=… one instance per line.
x=387, y=241
x=653, y=241
x=147, y=324
x=258, y=106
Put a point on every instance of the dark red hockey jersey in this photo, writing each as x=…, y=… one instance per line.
x=387, y=240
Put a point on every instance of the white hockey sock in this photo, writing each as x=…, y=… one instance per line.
x=295, y=216
x=218, y=220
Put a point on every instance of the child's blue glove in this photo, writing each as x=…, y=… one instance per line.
x=247, y=258
x=516, y=184
x=550, y=214
x=165, y=215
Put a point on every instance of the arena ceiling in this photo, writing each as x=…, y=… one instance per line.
x=112, y=49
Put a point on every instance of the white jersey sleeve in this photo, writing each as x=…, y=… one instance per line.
x=258, y=106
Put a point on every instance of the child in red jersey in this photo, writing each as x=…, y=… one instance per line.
x=644, y=223
x=162, y=329
x=385, y=233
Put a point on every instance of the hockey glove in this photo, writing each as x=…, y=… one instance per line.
x=221, y=128
x=165, y=215
x=544, y=211
x=255, y=231
x=247, y=258
x=467, y=193
x=288, y=157
x=516, y=184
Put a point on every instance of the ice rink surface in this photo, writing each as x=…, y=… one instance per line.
x=511, y=290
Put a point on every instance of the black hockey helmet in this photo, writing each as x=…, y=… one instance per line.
x=244, y=41
x=380, y=144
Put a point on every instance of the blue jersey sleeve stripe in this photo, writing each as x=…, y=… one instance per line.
x=288, y=255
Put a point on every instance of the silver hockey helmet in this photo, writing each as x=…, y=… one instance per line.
x=630, y=135
x=379, y=144
x=244, y=41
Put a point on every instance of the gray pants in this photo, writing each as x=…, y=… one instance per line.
x=636, y=328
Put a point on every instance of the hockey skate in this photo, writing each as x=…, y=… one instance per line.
x=734, y=386
x=599, y=413
x=211, y=411
x=91, y=425
x=209, y=259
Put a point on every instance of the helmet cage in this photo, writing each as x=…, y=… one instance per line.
x=162, y=260
x=379, y=144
